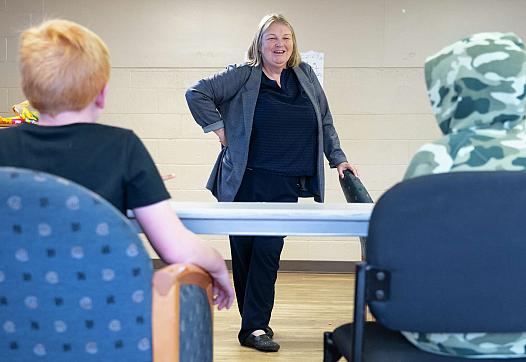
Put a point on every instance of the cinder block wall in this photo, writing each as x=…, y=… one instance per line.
x=374, y=52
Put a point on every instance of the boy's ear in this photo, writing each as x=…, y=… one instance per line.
x=100, y=100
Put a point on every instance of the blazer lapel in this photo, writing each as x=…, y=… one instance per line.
x=250, y=97
x=307, y=86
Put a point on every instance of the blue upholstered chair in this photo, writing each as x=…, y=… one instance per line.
x=445, y=254
x=76, y=282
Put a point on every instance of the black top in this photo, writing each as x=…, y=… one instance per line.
x=285, y=129
x=110, y=161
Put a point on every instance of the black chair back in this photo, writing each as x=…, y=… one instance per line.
x=355, y=192
x=353, y=188
x=454, y=247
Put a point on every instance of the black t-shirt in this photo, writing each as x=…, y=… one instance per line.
x=110, y=161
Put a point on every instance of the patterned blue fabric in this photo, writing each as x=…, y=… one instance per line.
x=75, y=280
x=195, y=338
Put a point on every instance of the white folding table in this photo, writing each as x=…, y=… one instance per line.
x=260, y=218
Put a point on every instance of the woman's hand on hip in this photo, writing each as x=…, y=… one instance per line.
x=346, y=166
x=222, y=136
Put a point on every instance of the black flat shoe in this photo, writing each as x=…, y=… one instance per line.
x=261, y=343
x=269, y=332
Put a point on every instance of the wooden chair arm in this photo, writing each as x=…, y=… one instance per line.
x=166, y=285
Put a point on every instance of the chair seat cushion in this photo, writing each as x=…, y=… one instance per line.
x=394, y=346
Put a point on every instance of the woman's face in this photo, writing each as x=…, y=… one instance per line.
x=276, y=45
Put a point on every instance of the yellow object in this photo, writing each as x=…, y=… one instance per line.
x=23, y=114
x=22, y=110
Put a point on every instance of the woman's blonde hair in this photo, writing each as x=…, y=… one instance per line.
x=63, y=65
x=254, y=51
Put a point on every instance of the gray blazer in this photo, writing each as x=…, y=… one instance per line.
x=228, y=99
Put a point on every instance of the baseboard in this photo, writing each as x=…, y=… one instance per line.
x=299, y=266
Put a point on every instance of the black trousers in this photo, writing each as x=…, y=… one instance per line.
x=255, y=259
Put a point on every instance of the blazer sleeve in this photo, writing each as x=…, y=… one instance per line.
x=331, y=142
x=207, y=95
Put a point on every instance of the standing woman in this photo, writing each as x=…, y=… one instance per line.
x=274, y=124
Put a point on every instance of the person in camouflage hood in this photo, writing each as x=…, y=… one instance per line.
x=477, y=89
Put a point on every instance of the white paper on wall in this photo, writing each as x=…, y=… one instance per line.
x=315, y=60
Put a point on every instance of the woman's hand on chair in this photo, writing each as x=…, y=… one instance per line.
x=346, y=166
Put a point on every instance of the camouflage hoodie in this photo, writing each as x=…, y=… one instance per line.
x=477, y=89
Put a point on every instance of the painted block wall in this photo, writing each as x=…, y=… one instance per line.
x=374, y=54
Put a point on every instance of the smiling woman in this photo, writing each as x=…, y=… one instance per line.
x=274, y=124
x=276, y=49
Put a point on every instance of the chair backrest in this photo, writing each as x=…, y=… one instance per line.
x=75, y=280
x=454, y=246
x=353, y=188
x=355, y=192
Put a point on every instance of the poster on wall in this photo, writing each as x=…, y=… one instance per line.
x=315, y=60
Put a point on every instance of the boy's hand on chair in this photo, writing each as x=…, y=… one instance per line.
x=223, y=293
